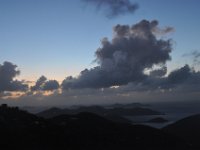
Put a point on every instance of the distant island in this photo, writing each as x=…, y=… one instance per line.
x=116, y=109
x=116, y=112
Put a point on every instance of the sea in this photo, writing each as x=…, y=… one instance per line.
x=170, y=117
x=172, y=111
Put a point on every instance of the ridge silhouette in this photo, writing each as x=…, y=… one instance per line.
x=22, y=130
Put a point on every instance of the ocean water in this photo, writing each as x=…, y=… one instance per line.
x=170, y=116
x=173, y=111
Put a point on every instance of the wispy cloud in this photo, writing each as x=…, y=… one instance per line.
x=114, y=8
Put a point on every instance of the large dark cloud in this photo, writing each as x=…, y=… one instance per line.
x=124, y=59
x=42, y=84
x=113, y=8
x=8, y=72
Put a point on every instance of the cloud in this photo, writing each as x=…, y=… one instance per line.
x=122, y=60
x=181, y=84
x=42, y=84
x=196, y=55
x=8, y=72
x=184, y=79
x=39, y=83
x=101, y=97
x=162, y=31
x=180, y=75
x=159, y=72
x=114, y=8
x=50, y=85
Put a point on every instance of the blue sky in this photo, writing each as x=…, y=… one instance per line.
x=57, y=38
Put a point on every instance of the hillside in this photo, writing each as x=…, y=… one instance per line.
x=21, y=130
x=187, y=128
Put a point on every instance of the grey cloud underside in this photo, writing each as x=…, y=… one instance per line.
x=114, y=8
x=51, y=85
x=182, y=79
x=124, y=59
x=8, y=72
x=42, y=84
x=185, y=78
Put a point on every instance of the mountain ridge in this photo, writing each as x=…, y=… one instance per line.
x=79, y=131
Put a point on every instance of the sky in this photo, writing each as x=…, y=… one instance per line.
x=59, y=38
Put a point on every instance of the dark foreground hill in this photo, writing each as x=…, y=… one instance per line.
x=21, y=130
x=187, y=129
